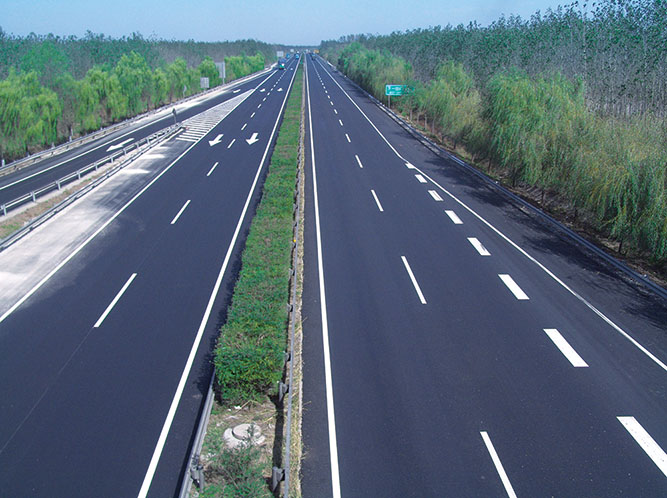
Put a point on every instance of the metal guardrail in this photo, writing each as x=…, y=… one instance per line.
x=150, y=142
x=58, y=184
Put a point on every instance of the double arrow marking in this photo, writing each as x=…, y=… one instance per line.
x=217, y=140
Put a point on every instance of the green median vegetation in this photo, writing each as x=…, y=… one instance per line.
x=249, y=357
x=539, y=130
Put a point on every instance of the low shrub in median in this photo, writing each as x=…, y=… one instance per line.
x=249, y=356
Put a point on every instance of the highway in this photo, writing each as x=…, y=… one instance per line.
x=106, y=361
x=48, y=170
x=455, y=344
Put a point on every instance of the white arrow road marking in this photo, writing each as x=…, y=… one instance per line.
x=280, y=89
x=217, y=140
x=252, y=139
x=118, y=146
x=262, y=90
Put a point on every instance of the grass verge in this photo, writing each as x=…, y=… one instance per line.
x=249, y=358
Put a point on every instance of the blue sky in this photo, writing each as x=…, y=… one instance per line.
x=305, y=22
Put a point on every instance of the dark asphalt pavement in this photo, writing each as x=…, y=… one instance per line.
x=85, y=394
x=469, y=347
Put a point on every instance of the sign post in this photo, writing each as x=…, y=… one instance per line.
x=397, y=90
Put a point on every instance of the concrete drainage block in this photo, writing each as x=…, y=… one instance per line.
x=241, y=434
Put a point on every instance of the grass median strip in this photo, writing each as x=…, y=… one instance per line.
x=249, y=358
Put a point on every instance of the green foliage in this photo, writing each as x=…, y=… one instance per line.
x=240, y=469
x=242, y=65
x=541, y=128
x=28, y=114
x=208, y=70
x=249, y=356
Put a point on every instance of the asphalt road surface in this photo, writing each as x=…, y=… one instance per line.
x=104, y=366
x=455, y=344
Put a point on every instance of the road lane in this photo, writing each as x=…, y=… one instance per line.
x=416, y=385
x=83, y=406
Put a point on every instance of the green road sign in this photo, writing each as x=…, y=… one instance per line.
x=394, y=90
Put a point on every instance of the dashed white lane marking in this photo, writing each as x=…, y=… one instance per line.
x=212, y=168
x=231, y=143
x=178, y=215
x=335, y=111
x=115, y=300
x=452, y=216
x=243, y=127
x=420, y=178
x=260, y=105
x=565, y=348
x=513, y=287
x=348, y=137
x=341, y=123
x=498, y=464
x=414, y=280
x=264, y=99
x=647, y=443
x=435, y=195
x=252, y=115
x=331, y=102
x=358, y=161
x=377, y=201
x=478, y=246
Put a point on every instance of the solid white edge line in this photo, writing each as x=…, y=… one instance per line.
x=479, y=247
x=565, y=348
x=647, y=443
x=331, y=419
x=498, y=464
x=212, y=168
x=358, y=161
x=453, y=216
x=152, y=466
x=513, y=287
x=553, y=276
x=178, y=215
x=414, y=280
x=115, y=300
x=377, y=201
x=435, y=195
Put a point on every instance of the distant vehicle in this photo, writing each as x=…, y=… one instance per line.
x=296, y=56
x=281, y=64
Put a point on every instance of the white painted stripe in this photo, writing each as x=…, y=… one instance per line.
x=260, y=105
x=341, y=123
x=478, y=246
x=231, y=143
x=565, y=348
x=452, y=216
x=152, y=466
x=115, y=300
x=512, y=286
x=264, y=99
x=420, y=178
x=348, y=137
x=377, y=201
x=243, y=127
x=435, y=195
x=409, y=166
x=499, y=466
x=211, y=170
x=335, y=111
x=178, y=215
x=331, y=103
x=647, y=443
x=328, y=381
x=359, y=161
x=414, y=280
x=328, y=96
x=252, y=115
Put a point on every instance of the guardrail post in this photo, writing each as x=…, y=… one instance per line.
x=4, y=210
x=96, y=165
x=58, y=184
x=78, y=175
x=32, y=194
x=3, y=162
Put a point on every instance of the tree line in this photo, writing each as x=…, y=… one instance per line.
x=545, y=123
x=53, y=88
